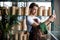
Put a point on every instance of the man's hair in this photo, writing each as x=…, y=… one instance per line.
x=32, y=5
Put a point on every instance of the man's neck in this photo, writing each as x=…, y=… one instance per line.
x=32, y=15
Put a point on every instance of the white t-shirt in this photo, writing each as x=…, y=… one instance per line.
x=30, y=21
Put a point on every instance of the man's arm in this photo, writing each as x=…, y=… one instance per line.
x=51, y=19
x=35, y=24
x=32, y=22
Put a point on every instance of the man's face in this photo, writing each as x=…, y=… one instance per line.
x=34, y=10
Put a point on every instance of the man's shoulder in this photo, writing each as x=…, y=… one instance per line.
x=29, y=17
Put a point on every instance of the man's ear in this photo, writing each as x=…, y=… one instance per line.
x=30, y=9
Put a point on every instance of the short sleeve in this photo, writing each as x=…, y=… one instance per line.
x=38, y=19
x=30, y=20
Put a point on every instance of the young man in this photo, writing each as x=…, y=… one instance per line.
x=34, y=24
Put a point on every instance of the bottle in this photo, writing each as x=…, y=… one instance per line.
x=26, y=10
x=19, y=11
x=38, y=11
x=49, y=11
x=24, y=25
x=22, y=10
x=13, y=10
x=41, y=10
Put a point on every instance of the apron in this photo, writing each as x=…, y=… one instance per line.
x=35, y=32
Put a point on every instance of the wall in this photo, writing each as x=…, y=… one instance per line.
x=57, y=9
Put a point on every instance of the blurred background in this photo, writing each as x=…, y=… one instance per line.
x=13, y=18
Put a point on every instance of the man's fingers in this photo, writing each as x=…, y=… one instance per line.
x=54, y=16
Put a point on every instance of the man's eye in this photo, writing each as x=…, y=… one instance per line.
x=34, y=9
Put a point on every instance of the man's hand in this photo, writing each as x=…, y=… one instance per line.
x=52, y=18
